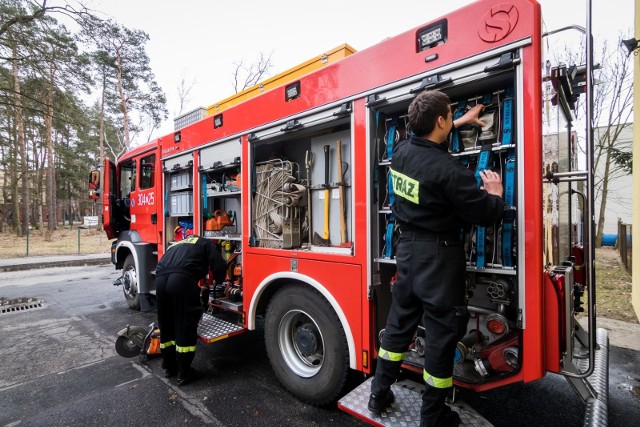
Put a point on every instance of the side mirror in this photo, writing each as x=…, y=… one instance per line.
x=94, y=184
x=94, y=180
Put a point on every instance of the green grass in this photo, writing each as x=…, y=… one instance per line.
x=613, y=287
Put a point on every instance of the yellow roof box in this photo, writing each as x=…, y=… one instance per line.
x=291, y=74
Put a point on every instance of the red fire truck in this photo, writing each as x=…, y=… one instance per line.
x=293, y=184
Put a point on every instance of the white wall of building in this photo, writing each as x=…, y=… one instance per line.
x=620, y=189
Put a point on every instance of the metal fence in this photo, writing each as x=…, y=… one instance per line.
x=624, y=243
x=78, y=240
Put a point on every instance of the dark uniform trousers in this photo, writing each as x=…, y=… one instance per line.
x=430, y=286
x=179, y=311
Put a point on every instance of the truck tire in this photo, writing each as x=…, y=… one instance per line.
x=130, y=283
x=306, y=345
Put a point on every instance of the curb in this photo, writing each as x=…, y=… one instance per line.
x=33, y=265
x=621, y=334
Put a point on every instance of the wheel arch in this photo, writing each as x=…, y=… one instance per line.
x=144, y=257
x=270, y=284
x=123, y=249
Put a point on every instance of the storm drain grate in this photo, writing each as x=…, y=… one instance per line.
x=19, y=304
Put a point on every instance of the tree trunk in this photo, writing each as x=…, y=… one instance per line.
x=48, y=124
x=603, y=199
x=22, y=144
x=101, y=165
x=38, y=184
x=54, y=195
x=123, y=101
x=15, y=207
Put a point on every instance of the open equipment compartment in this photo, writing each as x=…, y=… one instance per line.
x=301, y=185
x=490, y=347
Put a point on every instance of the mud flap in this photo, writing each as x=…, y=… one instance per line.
x=147, y=302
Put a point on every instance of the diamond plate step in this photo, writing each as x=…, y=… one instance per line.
x=211, y=329
x=596, y=408
x=405, y=411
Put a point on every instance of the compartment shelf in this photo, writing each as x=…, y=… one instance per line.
x=218, y=168
x=385, y=260
x=476, y=150
x=211, y=193
x=233, y=238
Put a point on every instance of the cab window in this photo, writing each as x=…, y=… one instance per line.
x=127, y=179
x=147, y=172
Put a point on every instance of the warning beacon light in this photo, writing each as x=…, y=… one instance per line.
x=432, y=35
x=217, y=121
x=292, y=91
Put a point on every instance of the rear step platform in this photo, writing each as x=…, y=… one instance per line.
x=405, y=411
x=211, y=329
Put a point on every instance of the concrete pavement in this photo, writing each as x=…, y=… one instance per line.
x=621, y=334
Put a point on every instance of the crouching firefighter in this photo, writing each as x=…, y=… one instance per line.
x=179, y=306
x=435, y=198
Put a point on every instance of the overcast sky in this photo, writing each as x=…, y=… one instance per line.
x=200, y=40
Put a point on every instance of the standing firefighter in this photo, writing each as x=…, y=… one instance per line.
x=436, y=198
x=179, y=306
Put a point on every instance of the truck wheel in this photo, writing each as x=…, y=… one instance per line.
x=130, y=283
x=306, y=345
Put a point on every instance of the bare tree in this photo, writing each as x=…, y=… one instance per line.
x=38, y=10
x=246, y=76
x=612, y=112
x=184, y=93
x=613, y=109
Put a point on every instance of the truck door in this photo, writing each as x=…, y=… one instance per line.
x=119, y=183
x=142, y=203
x=109, y=199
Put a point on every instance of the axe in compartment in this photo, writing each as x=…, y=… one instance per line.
x=325, y=239
x=343, y=202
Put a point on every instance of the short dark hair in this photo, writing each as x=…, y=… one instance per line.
x=425, y=109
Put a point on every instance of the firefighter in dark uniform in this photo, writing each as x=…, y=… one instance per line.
x=435, y=199
x=179, y=305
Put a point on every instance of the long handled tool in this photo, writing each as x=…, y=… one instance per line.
x=308, y=163
x=325, y=239
x=343, y=211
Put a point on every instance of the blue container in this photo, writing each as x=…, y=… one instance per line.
x=609, y=239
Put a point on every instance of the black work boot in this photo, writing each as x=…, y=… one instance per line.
x=378, y=404
x=169, y=373
x=169, y=363
x=434, y=411
x=449, y=419
x=189, y=377
x=381, y=395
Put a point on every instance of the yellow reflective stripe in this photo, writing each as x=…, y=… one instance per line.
x=390, y=355
x=185, y=349
x=167, y=344
x=437, y=382
x=405, y=187
x=189, y=239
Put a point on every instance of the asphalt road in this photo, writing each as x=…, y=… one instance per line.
x=59, y=367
